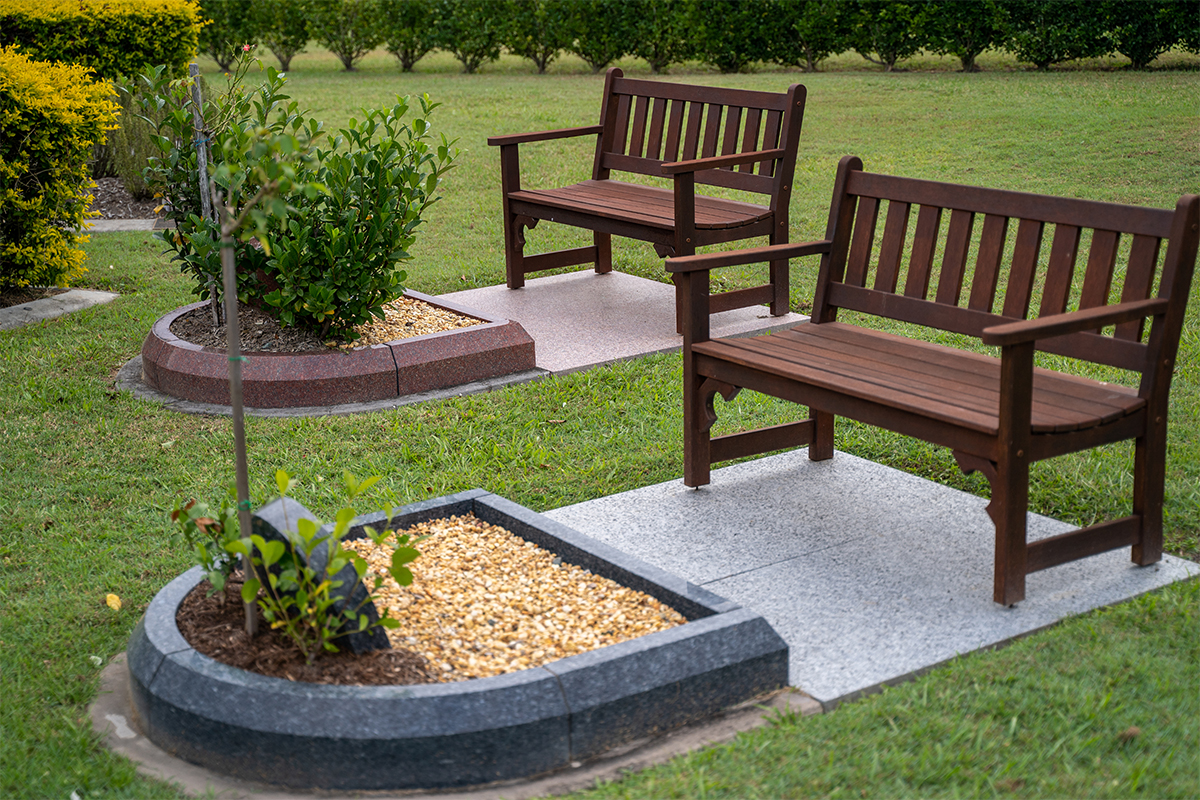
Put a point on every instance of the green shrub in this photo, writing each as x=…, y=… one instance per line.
x=965, y=28
x=538, y=30
x=1142, y=31
x=50, y=116
x=660, y=32
x=281, y=26
x=408, y=30
x=602, y=30
x=884, y=32
x=732, y=34
x=228, y=28
x=472, y=30
x=113, y=37
x=327, y=261
x=347, y=28
x=808, y=32
x=1045, y=32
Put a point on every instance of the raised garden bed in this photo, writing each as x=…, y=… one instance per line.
x=188, y=371
x=444, y=735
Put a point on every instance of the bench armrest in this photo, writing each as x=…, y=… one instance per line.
x=731, y=258
x=713, y=162
x=542, y=136
x=1088, y=319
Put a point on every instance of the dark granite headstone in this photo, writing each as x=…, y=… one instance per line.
x=271, y=521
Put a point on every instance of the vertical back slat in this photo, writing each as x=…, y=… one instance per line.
x=1023, y=269
x=954, y=259
x=863, y=241
x=750, y=136
x=1097, y=278
x=637, y=137
x=1139, y=281
x=894, y=232
x=770, y=140
x=691, y=138
x=987, y=263
x=920, y=262
x=674, y=128
x=733, y=124
x=712, y=130
x=1061, y=269
x=654, y=139
x=621, y=126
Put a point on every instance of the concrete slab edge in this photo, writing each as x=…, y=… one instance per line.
x=831, y=704
x=129, y=378
x=35, y=311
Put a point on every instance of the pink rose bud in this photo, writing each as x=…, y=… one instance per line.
x=245, y=48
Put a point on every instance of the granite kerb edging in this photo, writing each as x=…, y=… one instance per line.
x=403, y=367
x=451, y=735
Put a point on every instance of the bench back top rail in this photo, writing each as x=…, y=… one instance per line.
x=645, y=124
x=904, y=249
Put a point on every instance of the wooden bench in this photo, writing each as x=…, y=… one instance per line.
x=690, y=134
x=998, y=415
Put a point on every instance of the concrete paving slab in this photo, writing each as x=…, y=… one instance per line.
x=871, y=575
x=108, y=225
x=51, y=307
x=581, y=319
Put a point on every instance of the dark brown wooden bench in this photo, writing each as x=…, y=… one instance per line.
x=692, y=135
x=998, y=415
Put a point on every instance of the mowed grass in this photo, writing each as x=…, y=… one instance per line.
x=90, y=472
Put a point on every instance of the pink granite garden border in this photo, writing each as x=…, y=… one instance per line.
x=292, y=380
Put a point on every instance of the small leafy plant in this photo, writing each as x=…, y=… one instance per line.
x=309, y=604
x=208, y=534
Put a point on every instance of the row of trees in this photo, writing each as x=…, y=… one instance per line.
x=731, y=35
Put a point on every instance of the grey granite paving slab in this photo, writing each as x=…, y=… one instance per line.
x=581, y=319
x=870, y=574
x=50, y=307
x=108, y=225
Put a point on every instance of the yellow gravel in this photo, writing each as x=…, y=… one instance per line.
x=408, y=317
x=485, y=602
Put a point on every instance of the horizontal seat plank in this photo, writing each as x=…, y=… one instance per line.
x=644, y=205
x=941, y=383
x=1065, y=402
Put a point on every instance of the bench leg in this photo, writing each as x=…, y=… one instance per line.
x=1009, y=479
x=697, y=441
x=780, y=279
x=514, y=249
x=821, y=447
x=1149, y=475
x=603, y=242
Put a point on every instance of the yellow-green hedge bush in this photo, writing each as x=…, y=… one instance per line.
x=50, y=116
x=113, y=37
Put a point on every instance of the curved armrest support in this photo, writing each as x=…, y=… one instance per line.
x=715, y=162
x=1087, y=319
x=731, y=258
x=542, y=136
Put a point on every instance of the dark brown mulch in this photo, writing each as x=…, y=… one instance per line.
x=26, y=294
x=113, y=202
x=260, y=332
x=215, y=627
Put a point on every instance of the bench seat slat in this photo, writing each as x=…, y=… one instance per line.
x=1053, y=411
x=974, y=375
x=647, y=205
x=934, y=381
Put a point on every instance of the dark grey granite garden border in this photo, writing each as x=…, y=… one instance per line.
x=472, y=732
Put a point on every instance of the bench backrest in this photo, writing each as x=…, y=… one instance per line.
x=888, y=233
x=648, y=123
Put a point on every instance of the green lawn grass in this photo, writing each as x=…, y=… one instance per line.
x=90, y=472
